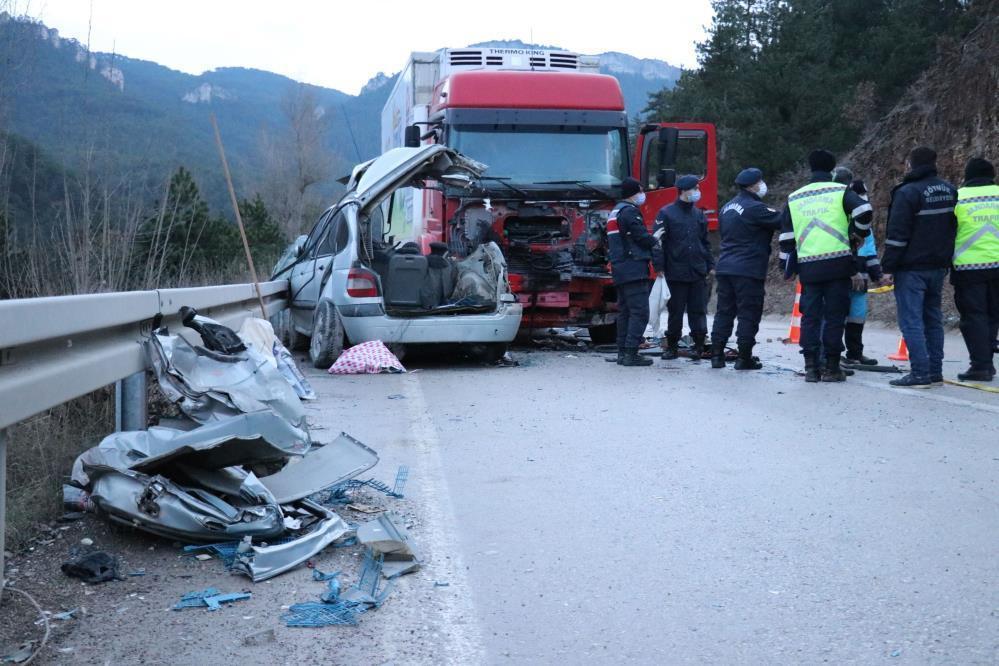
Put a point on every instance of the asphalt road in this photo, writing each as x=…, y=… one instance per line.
x=571, y=511
x=587, y=513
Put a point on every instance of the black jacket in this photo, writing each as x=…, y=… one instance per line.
x=629, y=243
x=859, y=212
x=747, y=227
x=683, y=253
x=921, y=223
x=982, y=275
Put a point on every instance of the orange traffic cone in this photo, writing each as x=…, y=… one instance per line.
x=903, y=352
x=794, y=333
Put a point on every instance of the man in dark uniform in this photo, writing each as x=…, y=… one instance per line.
x=630, y=247
x=684, y=257
x=747, y=226
x=823, y=222
x=919, y=247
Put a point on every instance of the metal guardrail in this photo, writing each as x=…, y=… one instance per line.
x=59, y=348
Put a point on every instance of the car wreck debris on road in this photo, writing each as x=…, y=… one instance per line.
x=240, y=471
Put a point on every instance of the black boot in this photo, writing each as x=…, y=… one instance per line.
x=811, y=369
x=746, y=360
x=672, y=350
x=832, y=372
x=718, y=355
x=698, y=346
x=632, y=359
x=853, y=336
x=973, y=375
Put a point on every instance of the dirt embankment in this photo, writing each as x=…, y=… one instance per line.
x=953, y=108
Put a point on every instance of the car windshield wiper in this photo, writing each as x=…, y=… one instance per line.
x=582, y=183
x=502, y=180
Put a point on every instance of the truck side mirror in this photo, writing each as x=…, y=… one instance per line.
x=668, y=138
x=412, y=139
x=665, y=178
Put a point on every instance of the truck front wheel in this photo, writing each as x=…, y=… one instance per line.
x=327, y=336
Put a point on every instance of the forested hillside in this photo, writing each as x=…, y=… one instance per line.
x=780, y=77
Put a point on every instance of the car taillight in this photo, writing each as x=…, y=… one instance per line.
x=361, y=283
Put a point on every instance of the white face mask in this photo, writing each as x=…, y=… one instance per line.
x=639, y=199
x=762, y=191
x=694, y=196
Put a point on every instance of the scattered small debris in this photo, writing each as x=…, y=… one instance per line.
x=365, y=508
x=22, y=654
x=260, y=638
x=96, y=567
x=896, y=653
x=86, y=541
x=137, y=572
x=439, y=583
x=202, y=557
x=397, y=396
x=209, y=598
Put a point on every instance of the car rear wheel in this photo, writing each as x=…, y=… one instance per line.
x=286, y=333
x=327, y=336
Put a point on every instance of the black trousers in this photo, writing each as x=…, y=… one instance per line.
x=689, y=297
x=978, y=304
x=737, y=296
x=827, y=302
x=632, y=313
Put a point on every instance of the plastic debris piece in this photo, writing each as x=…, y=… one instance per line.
x=195, y=599
x=439, y=583
x=202, y=557
x=137, y=572
x=209, y=598
x=23, y=653
x=400, y=480
x=316, y=614
x=365, y=508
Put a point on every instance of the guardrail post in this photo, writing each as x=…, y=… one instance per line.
x=130, y=402
x=3, y=503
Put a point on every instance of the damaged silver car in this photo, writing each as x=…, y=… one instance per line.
x=241, y=470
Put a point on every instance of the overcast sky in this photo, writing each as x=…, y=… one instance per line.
x=341, y=44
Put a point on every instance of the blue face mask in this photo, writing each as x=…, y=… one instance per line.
x=694, y=196
x=639, y=199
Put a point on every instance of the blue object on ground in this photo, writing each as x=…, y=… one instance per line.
x=400, y=480
x=314, y=614
x=209, y=598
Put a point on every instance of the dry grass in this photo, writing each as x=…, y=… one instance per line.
x=40, y=454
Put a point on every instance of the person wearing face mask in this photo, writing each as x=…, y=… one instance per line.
x=823, y=222
x=630, y=248
x=684, y=258
x=746, y=226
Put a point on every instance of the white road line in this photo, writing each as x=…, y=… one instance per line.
x=929, y=394
x=462, y=639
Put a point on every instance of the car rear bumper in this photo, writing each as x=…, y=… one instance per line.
x=499, y=326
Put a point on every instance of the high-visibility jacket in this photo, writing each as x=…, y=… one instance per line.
x=821, y=227
x=977, y=244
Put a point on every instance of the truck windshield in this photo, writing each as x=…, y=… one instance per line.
x=535, y=155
